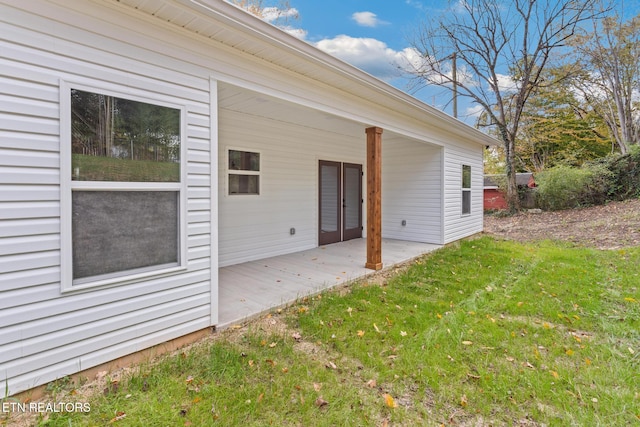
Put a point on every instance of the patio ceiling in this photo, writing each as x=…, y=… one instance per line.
x=234, y=98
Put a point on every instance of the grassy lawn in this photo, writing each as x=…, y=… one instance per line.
x=95, y=168
x=483, y=332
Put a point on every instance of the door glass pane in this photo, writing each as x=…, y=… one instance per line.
x=329, y=179
x=352, y=197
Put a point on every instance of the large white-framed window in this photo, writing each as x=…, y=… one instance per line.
x=243, y=172
x=123, y=187
x=466, y=190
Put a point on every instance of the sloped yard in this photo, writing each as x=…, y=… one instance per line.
x=612, y=226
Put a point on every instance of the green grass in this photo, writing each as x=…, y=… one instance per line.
x=95, y=168
x=482, y=332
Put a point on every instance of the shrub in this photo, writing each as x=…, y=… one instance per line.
x=625, y=183
x=564, y=187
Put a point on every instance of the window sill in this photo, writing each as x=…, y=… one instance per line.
x=90, y=284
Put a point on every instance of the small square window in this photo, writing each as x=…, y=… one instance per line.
x=244, y=172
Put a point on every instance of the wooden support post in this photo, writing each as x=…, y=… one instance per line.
x=374, y=198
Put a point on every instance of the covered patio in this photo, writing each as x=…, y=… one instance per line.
x=251, y=288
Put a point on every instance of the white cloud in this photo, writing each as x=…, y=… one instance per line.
x=296, y=32
x=506, y=83
x=272, y=14
x=367, y=19
x=473, y=111
x=370, y=55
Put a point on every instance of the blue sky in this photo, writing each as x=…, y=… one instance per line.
x=374, y=35
x=370, y=34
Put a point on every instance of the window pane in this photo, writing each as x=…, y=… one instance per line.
x=244, y=160
x=466, y=202
x=466, y=176
x=115, y=139
x=352, y=197
x=244, y=184
x=116, y=231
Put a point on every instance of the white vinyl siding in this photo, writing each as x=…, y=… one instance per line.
x=411, y=191
x=258, y=227
x=227, y=73
x=456, y=225
x=46, y=334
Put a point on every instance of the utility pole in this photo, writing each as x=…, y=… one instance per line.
x=454, y=71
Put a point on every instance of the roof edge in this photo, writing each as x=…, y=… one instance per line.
x=237, y=17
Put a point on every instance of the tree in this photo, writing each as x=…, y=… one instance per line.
x=610, y=82
x=558, y=129
x=501, y=49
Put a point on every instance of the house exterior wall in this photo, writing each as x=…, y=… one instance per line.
x=456, y=225
x=48, y=329
x=257, y=226
x=411, y=191
x=46, y=333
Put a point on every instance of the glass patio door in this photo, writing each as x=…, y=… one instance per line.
x=340, y=202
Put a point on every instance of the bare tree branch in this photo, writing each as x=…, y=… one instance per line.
x=502, y=46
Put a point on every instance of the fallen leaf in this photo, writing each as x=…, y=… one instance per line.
x=331, y=365
x=119, y=416
x=260, y=397
x=569, y=352
x=389, y=401
x=317, y=386
x=376, y=327
x=296, y=336
x=349, y=310
x=271, y=362
x=320, y=402
x=189, y=379
x=371, y=383
x=463, y=401
x=273, y=344
x=554, y=373
x=360, y=333
x=403, y=334
x=467, y=343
